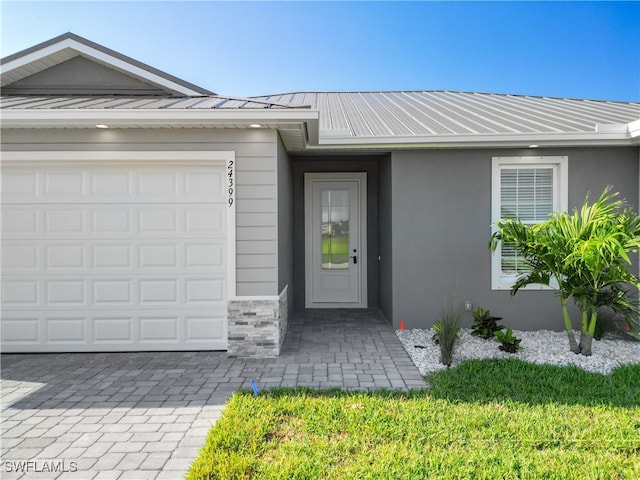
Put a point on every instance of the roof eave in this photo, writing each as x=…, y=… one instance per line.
x=309, y=121
x=184, y=118
x=537, y=140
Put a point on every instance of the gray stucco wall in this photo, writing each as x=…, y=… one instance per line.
x=385, y=223
x=256, y=179
x=285, y=224
x=352, y=163
x=440, y=218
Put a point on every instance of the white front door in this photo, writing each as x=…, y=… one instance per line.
x=335, y=240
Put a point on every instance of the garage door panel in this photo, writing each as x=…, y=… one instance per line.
x=65, y=221
x=112, y=330
x=120, y=221
x=203, y=328
x=20, y=330
x=112, y=222
x=21, y=293
x=114, y=184
x=208, y=290
x=159, y=291
x=65, y=293
x=20, y=258
x=164, y=220
x=20, y=185
x=20, y=222
x=114, y=292
x=209, y=222
x=113, y=256
x=159, y=255
x=66, y=331
x=126, y=330
x=111, y=184
x=110, y=258
x=65, y=257
x=58, y=256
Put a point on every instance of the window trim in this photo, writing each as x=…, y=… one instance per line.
x=560, y=166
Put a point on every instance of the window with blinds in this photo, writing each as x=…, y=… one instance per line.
x=525, y=194
x=528, y=189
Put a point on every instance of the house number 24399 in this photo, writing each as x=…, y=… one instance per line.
x=230, y=185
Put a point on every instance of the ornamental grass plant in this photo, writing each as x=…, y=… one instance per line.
x=447, y=329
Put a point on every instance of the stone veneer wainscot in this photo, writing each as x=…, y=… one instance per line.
x=257, y=326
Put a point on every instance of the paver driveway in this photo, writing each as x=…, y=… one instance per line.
x=145, y=415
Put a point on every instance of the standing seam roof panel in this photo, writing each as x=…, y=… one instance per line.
x=541, y=115
x=514, y=117
x=483, y=113
x=555, y=108
x=396, y=121
x=436, y=117
x=471, y=115
x=359, y=124
x=339, y=119
x=326, y=119
x=440, y=107
x=429, y=125
x=372, y=114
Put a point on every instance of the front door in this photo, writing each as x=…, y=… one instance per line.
x=335, y=240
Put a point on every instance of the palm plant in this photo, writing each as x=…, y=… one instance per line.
x=600, y=262
x=587, y=253
x=543, y=250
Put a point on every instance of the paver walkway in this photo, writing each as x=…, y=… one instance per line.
x=144, y=415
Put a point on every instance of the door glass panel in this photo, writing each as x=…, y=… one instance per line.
x=335, y=229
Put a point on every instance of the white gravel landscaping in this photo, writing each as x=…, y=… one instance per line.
x=542, y=347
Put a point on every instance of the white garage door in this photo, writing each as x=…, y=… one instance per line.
x=114, y=257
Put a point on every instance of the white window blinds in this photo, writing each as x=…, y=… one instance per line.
x=528, y=189
x=526, y=193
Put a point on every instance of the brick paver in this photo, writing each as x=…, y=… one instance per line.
x=144, y=415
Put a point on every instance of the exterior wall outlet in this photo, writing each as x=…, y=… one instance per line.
x=468, y=306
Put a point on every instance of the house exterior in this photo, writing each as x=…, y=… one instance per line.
x=141, y=212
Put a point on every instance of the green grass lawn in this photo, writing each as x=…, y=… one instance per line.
x=489, y=419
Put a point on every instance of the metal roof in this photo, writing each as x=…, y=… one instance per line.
x=386, y=114
x=365, y=120
x=152, y=102
x=426, y=113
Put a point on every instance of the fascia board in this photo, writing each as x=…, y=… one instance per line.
x=480, y=140
x=101, y=57
x=634, y=131
x=39, y=55
x=124, y=115
x=89, y=118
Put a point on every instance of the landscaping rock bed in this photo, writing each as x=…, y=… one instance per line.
x=542, y=347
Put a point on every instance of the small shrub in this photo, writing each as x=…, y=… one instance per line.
x=447, y=335
x=437, y=327
x=510, y=344
x=484, y=324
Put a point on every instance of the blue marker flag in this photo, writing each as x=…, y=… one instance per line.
x=255, y=388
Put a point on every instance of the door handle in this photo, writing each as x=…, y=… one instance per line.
x=355, y=259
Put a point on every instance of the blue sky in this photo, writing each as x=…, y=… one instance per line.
x=561, y=49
